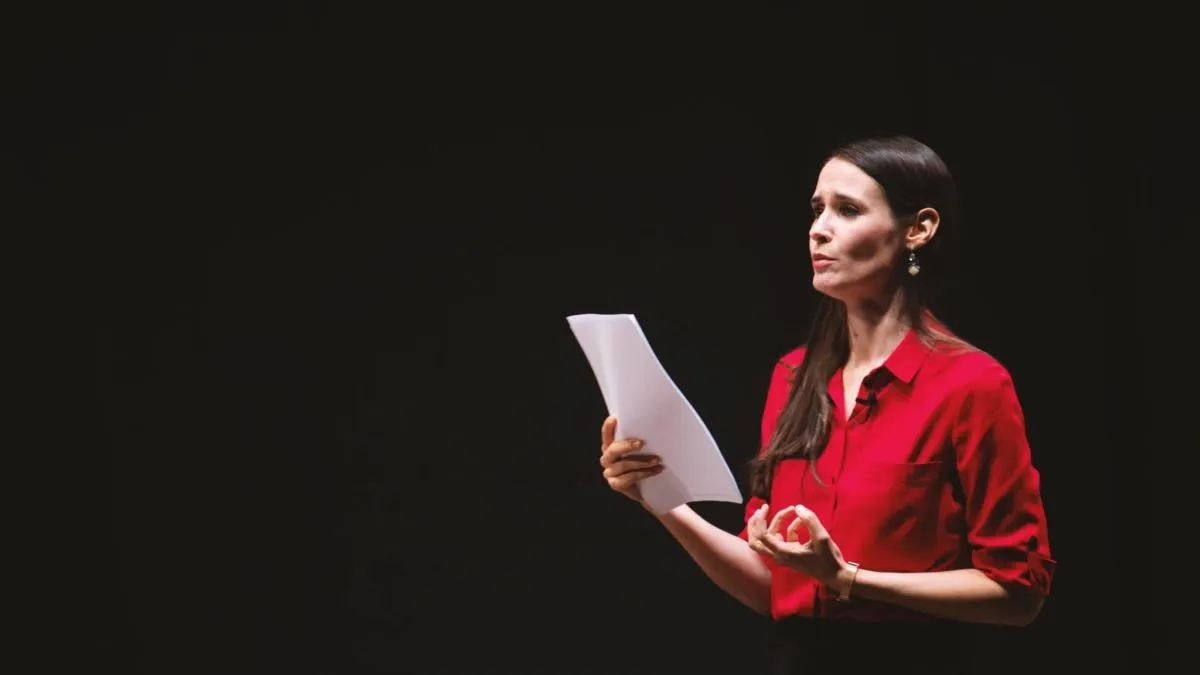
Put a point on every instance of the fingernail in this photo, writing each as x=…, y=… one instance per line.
x=637, y=444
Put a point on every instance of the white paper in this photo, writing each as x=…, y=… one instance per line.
x=648, y=405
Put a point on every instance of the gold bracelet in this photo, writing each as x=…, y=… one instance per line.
x=845, y=596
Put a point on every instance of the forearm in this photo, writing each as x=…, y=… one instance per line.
x=724, y=557
x=963, y=595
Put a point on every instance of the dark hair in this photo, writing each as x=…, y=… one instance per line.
x=912, y=177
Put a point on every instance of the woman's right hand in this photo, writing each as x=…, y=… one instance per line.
x=624, y=466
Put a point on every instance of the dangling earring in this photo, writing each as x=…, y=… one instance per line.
x=914, y=267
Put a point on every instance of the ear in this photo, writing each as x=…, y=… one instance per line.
x=922, y=229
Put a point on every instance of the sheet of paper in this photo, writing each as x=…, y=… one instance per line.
x=648, y=405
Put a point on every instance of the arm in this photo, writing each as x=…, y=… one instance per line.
x=726, y=558
x=963, y=595
x=1006, y=523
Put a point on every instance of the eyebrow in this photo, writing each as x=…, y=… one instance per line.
x=837, y=196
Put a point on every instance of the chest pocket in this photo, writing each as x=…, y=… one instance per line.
x=898, y=505
x=903, y=474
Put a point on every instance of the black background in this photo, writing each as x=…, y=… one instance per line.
x=322, y=260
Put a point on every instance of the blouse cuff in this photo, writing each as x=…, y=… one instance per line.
x=1024, y=569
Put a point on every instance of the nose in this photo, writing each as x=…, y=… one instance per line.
x=819, y=230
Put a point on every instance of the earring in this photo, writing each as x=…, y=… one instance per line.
x=914, y=267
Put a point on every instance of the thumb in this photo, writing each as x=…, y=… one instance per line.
x=608, y=432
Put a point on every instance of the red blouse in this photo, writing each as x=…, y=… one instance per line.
x=934, y=475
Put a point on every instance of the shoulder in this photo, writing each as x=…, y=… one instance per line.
x=792, y=359
x=975, y=380
x=780, y=389
x=783, y=373
x=969, y=366
x=786, y=365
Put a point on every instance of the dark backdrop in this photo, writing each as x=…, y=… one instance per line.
x=325, y=260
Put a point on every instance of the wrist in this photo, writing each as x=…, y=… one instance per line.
x=667, y=517
x=843, y=580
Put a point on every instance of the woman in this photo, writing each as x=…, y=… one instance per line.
x=894, y=499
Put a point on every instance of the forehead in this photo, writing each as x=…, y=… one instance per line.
x=839, y=177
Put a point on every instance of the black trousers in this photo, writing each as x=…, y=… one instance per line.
x=846, y=647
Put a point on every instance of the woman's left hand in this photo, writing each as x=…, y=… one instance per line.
x=819, y=557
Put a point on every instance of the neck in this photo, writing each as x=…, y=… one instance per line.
x=875, y=329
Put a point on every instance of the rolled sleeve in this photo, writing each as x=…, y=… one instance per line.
x=1005, y=517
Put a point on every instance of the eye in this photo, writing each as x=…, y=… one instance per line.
x=848, y=210
x=817, y=209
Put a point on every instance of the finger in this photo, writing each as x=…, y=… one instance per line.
x=816, y=531
x=758, y=547
x=626, y=481
x=608, y=432
x=628, y=464
x=772, y=542
x=777, y=522
x=793, y=529
x=759, y=515
x=618, y=449
x=758, y=520
x=763, y=551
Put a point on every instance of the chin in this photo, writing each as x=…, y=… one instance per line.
x=845, y=290
x=824, y=287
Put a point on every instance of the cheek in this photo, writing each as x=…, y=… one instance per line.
x=866, y=246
